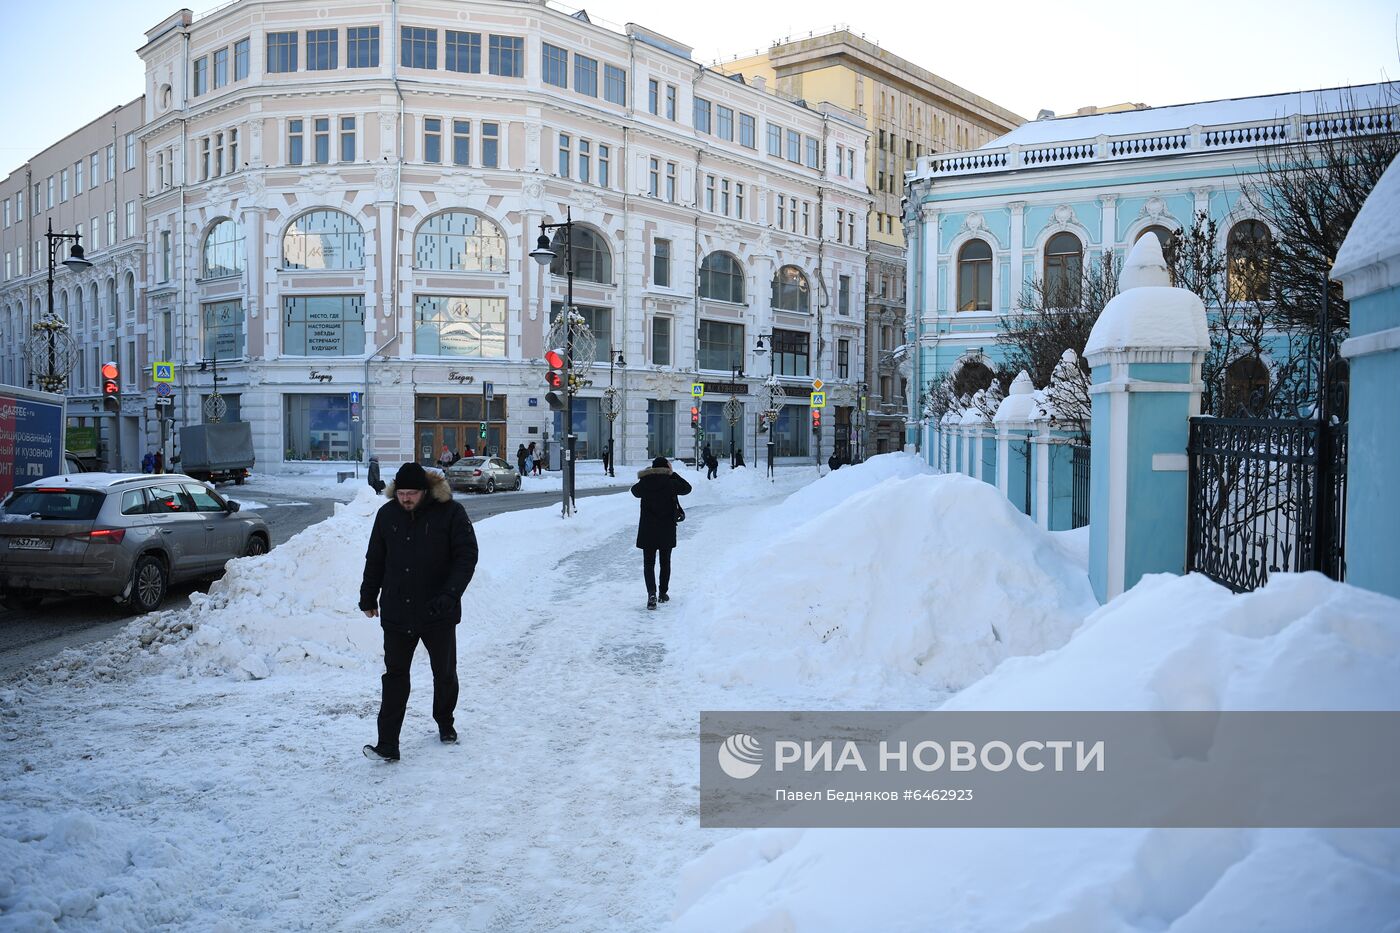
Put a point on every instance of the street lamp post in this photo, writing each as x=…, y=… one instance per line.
x=770, y=413
x=543, y=255
x=862, y=419
x=733, y=411
x=614, y=358
x=55, y=377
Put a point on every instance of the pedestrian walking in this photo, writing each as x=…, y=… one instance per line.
x=160, y=461
x=520, y=454
x=833, y=462
x=445, y=458
x=711, y=463
x=372, y=475
x=421, y=557
x=537, y=457
x=658, y=486
x=148, y=462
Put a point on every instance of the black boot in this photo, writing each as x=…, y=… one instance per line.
x=447, y=734
x=374, y=752
x=663, y=598
x=651, y=601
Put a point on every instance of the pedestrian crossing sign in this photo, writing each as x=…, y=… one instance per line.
x=162, y=372
x=818, y=399
x=697, y=390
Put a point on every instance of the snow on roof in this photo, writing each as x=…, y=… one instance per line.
x=1205, y=113
x=1374, y=236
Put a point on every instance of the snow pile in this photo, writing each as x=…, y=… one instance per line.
x=927, y=576
x=1171, y=643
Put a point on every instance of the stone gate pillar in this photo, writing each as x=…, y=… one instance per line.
x=1145, y=355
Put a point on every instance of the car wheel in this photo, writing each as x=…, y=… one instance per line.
x=148, y=583
x=490, y=484
x=256, y=545
x=26, y=602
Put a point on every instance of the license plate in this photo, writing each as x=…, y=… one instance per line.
x=31, y=544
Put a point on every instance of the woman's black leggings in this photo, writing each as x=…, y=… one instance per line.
x=649, y=568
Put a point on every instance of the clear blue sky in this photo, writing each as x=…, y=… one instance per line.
x=65, y=63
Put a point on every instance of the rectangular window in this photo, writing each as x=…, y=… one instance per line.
x=19, y=205
x=671, y=102
x=9, y=268
x=417, y=47
x=724, y=196
x=199, y=83
x=661, y=341
x=95, y=231
x=111, y=227
x=604, y=162
x=585, y=75
x=459, y=326
x=739, y=200
x=555, y=65
x=721, y=345
x=506, y=56
x=130, y=151
x=78, y=177
x=775, y=140
x=240, y=59
x=294, y=142
x=840, y=224
x=323, y=325
x=461, y=142
x=321, y=128
x=851, y=228
x=165, y=256
x=347, y=139
x=661, y=263
x=130, y=219
x=281, y=52
x=806, y=218
x=111, y=161
x=19, y=260
x=63, y=186
x=702, y=115
x=748, y=132
x=490, y=144
x=204, y=159
x=584, y=159
x=615, y=85
x=654, y=97
x=710, y=193
x=843, y=294
x=6, y=208
x=565, y=154
x=220, y=68
x=432, y=139
x=653, y=178
x=790, y=356
x=322, y=49
x=851, y=164
x=794, y=146
x=843, y=359
x=218, y=153
x=724, y=123
x=782, y=212
x=320, y=427
x=48, y=195
x=464, y=52
x=671, y=182
x=362, y=47
x=813, y=152
x=233, y=149
x=661, y=427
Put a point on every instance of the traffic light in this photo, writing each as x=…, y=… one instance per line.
x=111, y=387
x=695, y=417
x=483, y=430
x=816, y=420
x=556, y=360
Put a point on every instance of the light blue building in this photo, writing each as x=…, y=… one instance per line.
x=1056, y=194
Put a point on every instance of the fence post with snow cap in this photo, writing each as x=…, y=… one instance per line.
x=1368, y=266
x=1145, y=354
x=1013, y=432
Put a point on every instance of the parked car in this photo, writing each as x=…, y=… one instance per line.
x=482, y=474
x=124, y=535
x=71, y=463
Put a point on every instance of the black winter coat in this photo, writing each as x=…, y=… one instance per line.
x=658, y=488
x=416, y=556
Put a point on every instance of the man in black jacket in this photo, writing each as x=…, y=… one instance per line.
x=422, y=554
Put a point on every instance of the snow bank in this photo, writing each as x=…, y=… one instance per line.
x=1302, y=642
x=918, y=575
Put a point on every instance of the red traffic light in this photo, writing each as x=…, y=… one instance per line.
x=111, y=384
x=816, y=417
x=694, y=416
x=555, y=359
x=554, y=379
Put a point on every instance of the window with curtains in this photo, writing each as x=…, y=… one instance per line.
x=975, y=276
x=1247, y=255
x=1064, y=267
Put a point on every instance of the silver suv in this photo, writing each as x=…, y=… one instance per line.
x=124, y=535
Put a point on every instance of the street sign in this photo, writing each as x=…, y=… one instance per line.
x=163, y=390
x=165, y=400
x=354, y=398
x=534, y=403
x=489, y=390
x=818, y=399
x=697, y=390
x=163, y=372
x=817, y=385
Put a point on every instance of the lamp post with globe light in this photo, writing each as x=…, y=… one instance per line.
x=544, y=255
x=50, y=345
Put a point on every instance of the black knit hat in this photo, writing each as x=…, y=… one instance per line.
x=660, y=463
x=411, y=476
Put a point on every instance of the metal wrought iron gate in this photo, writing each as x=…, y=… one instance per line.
x=1079, y=486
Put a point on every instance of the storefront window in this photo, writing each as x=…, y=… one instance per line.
x=661, y=428
x=320, y=427
x=590, y=428
x=223, y=330
x=458, y=326
x=791, y=432
x=323, y=325
x=717, y=428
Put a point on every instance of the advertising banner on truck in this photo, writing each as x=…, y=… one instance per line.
x=31, y=437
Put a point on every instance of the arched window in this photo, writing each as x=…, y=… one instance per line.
x=112, y=301
x=223, y=250
x=1163, y=235
x=96, y=305
x=592, y=258
x=1246, y=385
x=79, y=317
x=1247, y=269
x=324, y=239
x=722, y=278
x=1064, y=267
x=131, y=293
x=456, y=241
x=63, y=303
x=790, y=290
x=975, y=276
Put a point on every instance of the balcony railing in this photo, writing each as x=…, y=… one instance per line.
x=1146, y=145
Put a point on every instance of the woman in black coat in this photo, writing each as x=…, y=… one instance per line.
x=658, y=488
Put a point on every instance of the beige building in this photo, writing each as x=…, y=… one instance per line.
x=340, y=203
x=88, y=183
x=910, y=112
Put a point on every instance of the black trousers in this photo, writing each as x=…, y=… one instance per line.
x=649, y=568
x=441, y=643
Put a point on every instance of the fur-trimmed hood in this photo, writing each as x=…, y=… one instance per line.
x=437, y=486
x=654, y=471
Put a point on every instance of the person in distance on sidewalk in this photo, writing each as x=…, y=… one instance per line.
x=658, y=487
